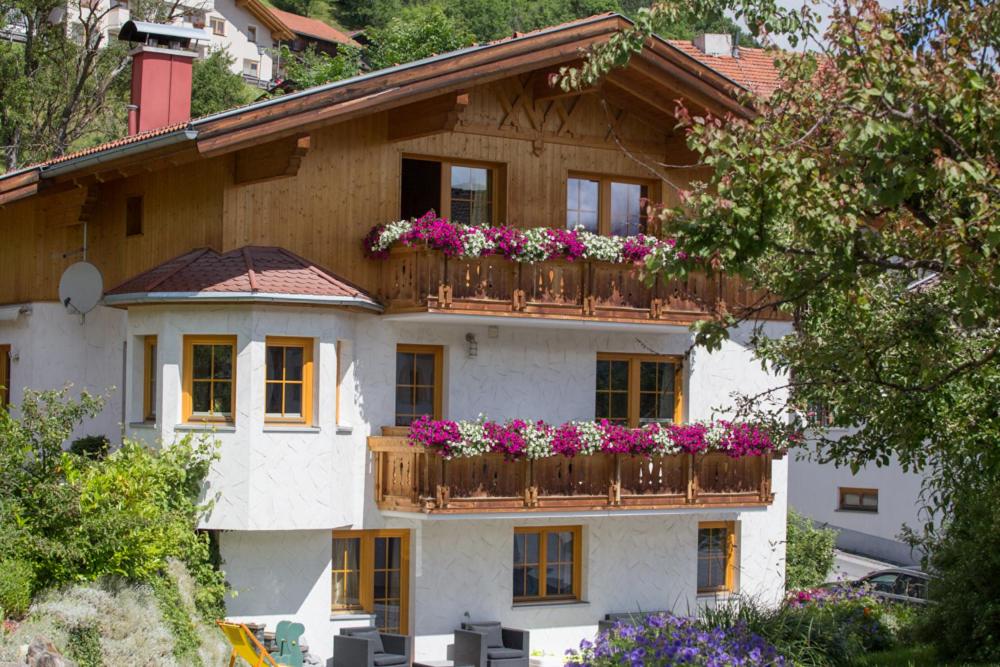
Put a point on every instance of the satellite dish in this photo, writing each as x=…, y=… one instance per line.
x=81, y=287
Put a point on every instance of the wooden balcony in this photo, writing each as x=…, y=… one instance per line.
x=413, y=479
x=421, y=280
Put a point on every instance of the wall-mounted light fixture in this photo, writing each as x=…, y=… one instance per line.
x=472, y=345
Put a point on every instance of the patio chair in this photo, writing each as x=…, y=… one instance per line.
x=367, y=647
x=286, y=638
x=488, y=644
x=246, y=646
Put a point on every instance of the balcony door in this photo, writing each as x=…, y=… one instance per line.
x=371, y=571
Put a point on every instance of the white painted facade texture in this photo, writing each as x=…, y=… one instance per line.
x=280, y=492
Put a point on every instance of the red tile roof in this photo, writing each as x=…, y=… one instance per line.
x=248, y=272
x=754, y=69
x=303, y=25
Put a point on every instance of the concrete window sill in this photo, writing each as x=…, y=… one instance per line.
x=351, y=616
x=208, y=428
x=150, y=425
x=344, y=429
x=554, y=603
x=290, y=428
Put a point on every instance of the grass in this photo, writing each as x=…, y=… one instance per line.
x=920, y=655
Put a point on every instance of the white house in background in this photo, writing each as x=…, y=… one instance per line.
x=868, y=508
x=240, y=305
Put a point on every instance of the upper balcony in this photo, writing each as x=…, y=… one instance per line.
x=413, y=479
x=421, y=280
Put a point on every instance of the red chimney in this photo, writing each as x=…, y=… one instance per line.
x=161, y=74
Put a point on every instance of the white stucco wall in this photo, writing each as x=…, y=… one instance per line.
x=51, y=348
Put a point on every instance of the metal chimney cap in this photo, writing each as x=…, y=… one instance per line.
x=141, y=31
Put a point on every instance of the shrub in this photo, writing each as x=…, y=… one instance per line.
x=91, y=446
x=665, y=639
x=809, y=552
x=85, y=645
x=17, y=579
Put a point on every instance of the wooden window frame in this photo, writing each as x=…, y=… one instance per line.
x=604, y=194
x=633, y=381
x=844, y=490
x=4, y=375
x=135, y=214
x=187, y=399
x=366, y=576
x=149, y=376
x=731, y=555
x=307, y=345
x=498, y=197
x=438, y=352
x=215, y=20
x=252, y=29
x=542, y=532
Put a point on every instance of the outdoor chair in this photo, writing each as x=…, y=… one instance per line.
x=246, y=646
x=367, y=647
x=488, y=644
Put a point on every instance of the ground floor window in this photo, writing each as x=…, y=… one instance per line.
x=371, y=574
x=716, y=556
x=547, y=563
x=858, y=500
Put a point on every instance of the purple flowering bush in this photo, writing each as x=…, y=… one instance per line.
x=664, y=639
x=517, y=438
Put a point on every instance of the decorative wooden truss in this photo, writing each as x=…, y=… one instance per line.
x=413, y=479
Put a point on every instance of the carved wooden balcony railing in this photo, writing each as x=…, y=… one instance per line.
x=413, y=479
x=422, y=280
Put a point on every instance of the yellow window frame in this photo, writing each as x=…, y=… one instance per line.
x=604, y=182
x=438, y=352
x=366, y=578
x=542, y=532
x=730, y=555
x=188, y=384
x=634, y=391
x=149, y=374
x=307, y=345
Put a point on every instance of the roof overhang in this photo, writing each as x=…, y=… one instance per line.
x=259, y=10
x=151, y=298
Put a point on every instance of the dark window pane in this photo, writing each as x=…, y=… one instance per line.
x=619, y=406
x=566, y=547
x=393, y=545
x=531, y=547
x=404, y=368
x=603, y=374
x=519, y=573
x=381, y=580
x=531, y=581
x=461, y=211
x=273, y=398
x=274, y=362
x=648, y=375
x=425, y=369
x=222, y=398
x=222, y=364
x=202, y=361
x=404, y=420
x=404, y=401
x=392, y=583
x=293, y=363
x=201, y=397
x=420, y=188
x=647, y=406
x=619, y=375
x=293, y=399
x=380, y=553
x=425, y=401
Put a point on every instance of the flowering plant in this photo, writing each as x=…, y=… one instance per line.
x=517, y=438
x=665, y=639
x=537, y=244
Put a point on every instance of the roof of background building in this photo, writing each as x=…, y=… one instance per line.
x=754, y=69
x=310, y=27
x=250, y=273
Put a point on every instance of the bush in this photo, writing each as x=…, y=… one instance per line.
x=665, y=639
x=91, y=446
x=17, y=579
x=85, y=645
x=809, y=552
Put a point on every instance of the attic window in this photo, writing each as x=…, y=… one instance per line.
x=252, y=34
x=218, y=26
x=133, y=216
x=466, y=193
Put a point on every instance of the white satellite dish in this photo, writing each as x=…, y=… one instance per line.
x=81, y=287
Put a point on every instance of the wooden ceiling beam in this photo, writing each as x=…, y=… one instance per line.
x=431, y=116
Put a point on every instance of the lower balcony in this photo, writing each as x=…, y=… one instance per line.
x=414, y=479
x=417, y=280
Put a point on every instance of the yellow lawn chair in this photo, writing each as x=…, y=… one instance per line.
x=246, y=646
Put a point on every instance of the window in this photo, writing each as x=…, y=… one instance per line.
x=547, y=563
x=251, y=68
x=858, y=500
x=466, y=193
x=634, y=389
x=149, y=379
x=218, y=26
x=133, y=216
x=4, y=376
x=418, y=382
x=198, y=21
x=609, y=206
x=716, y=556
x=209, y=378
x=371, y=572
x=252, y=34
x=288, y=390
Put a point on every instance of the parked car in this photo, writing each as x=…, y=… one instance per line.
x=897, y=584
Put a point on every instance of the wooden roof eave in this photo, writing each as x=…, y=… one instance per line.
x=278, y=29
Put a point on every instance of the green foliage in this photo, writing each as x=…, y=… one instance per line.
x=310, y=67
x=91, y=446
x=215, y=87
x=186, y=640
x=85, y=645
x=809, y=552
x=17, y=579
x=417, y=32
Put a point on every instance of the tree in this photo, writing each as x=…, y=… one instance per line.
x=417, y=32
x=308, y=68
x=864, y=194
x=215, y=87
